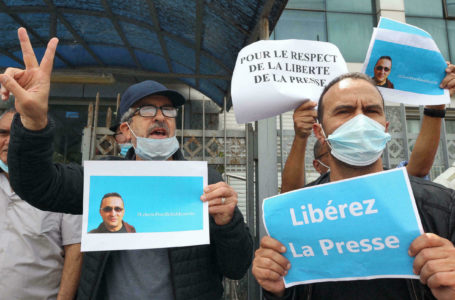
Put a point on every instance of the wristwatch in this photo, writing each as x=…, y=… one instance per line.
x=434, y=113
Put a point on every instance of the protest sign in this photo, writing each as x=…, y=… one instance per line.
x=359, y=228
x=155, y=203
x=406, y=64
x=272, y=77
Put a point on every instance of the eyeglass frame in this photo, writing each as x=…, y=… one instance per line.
x=379, y=68
x=138, y=110
x=321, y=155
x=108, y=209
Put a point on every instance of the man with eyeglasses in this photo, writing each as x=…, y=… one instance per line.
x=382, y=71
x=320, y=161
x=112, y=211
x=122, y=143
x=148, y=110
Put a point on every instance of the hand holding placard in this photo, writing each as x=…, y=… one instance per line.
x=336, y=225
x=435, y=263
x=269, y=265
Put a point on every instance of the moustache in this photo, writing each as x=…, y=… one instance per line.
x=157, y=124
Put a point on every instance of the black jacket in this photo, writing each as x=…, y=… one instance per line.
x=196, y=271
x=436, y=206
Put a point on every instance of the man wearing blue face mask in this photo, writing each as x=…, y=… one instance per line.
x=320, y=161
x=353, y=126
x=123, y=143
x=148, y=111
x=420, y=162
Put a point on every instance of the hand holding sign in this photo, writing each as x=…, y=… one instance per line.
x=222, y=201
x=304, y=118
x=269, y=265
x=336, y=225
x=449, y=81
x=435, y=263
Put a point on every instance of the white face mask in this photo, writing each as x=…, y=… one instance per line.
x=358, y=142
x=324, y=165
x=155, y=149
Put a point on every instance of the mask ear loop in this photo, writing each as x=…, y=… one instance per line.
x=323, y=164
x=328, y=143
x=133, y=134
x=325, y=136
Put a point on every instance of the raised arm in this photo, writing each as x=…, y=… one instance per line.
x=293, y=176
x=33, y=175
x=30, y=86
x=426, y=145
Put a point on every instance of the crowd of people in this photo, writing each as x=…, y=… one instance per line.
x=41, y=200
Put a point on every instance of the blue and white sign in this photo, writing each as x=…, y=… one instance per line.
x=359, y=228
x=159, y=199
x=406, y=64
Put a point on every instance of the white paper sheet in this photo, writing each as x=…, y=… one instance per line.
x=272, y=77
x=161, y=200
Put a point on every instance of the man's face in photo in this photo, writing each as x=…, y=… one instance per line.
x=382, y=70
x=112, y=212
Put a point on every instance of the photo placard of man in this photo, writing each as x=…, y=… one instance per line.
x=382, y=70
x=112, y=210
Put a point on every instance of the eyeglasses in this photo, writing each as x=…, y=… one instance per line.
x=379, y=68
x=107, y=209
x=150, y=110
x=322, y=155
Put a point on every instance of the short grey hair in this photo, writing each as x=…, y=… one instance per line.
x=127, y=115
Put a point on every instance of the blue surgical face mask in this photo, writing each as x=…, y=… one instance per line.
x=155, y=149
x=358, y=142
x=124, y=148
x=4, y=166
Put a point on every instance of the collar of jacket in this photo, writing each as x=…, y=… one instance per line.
x=131, y=155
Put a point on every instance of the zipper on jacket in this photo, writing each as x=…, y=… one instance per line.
x=169, y=253
x=414, y=290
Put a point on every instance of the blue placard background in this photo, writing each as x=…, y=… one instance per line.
x=395, y=217
x=410, y=65
x=386, y=23
x=147, y=199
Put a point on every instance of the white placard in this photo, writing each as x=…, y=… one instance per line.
x=161, y=201
x=272, y=77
